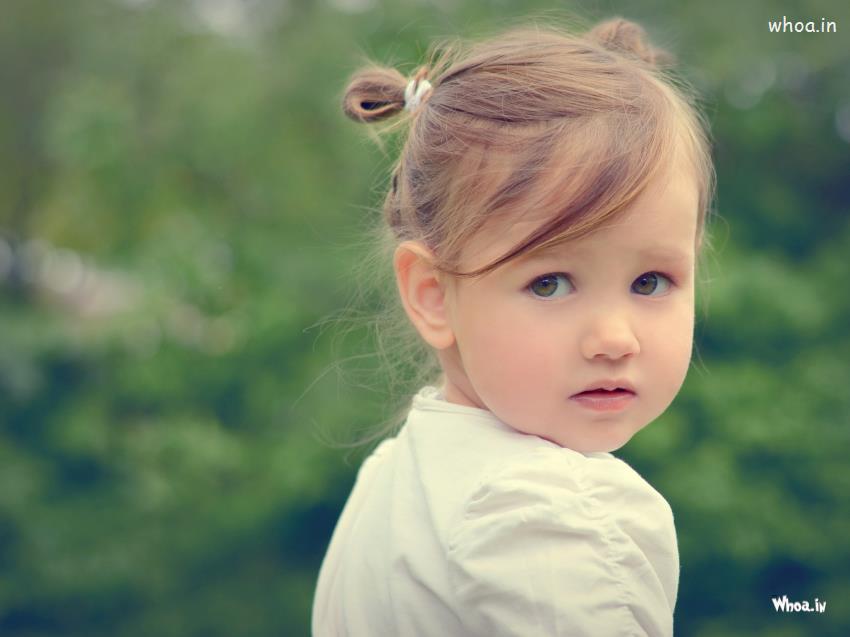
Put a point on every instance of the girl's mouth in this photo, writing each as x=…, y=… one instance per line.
x=604, y=400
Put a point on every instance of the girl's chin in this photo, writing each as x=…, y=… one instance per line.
x=606, y=442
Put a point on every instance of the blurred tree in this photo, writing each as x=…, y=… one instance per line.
x=181, y=201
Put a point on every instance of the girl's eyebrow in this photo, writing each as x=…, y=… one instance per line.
x=668, y=253
x=665, y=252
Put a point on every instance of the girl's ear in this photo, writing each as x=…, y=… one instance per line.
x=423, y=293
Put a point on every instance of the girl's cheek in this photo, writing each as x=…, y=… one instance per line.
x=676, y=341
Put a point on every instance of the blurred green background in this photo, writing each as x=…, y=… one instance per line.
x=181, y=207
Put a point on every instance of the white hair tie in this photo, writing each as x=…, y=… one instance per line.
x=414, y=93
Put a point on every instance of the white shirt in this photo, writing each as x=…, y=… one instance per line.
x=461, y=525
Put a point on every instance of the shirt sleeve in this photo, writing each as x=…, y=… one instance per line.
x=565, y=544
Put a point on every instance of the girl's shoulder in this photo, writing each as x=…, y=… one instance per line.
x=559, y=476
x=568, y=540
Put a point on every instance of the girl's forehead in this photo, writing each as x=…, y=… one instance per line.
x=663, y=218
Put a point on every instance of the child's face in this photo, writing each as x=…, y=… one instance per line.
x=618, y=306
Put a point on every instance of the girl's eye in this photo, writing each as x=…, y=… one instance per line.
x=550, y=285
x=649, y=282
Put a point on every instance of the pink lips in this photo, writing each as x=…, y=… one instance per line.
x=602, y=400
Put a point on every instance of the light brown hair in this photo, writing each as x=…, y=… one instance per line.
x=573, y=126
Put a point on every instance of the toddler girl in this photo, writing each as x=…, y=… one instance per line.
x=548, y=208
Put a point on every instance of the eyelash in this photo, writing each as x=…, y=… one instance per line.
x=669, y=277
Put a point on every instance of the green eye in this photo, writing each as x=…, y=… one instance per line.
x=550, y=285
x=649, y=282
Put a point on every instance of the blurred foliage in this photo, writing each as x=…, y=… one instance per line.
x=180, y=206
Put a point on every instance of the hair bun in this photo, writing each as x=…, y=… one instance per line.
x=623, y=36
x=374, y=94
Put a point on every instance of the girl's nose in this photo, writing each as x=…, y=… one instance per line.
x=609, y=337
